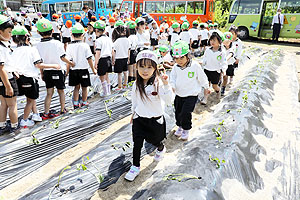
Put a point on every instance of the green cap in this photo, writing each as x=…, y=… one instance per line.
x=3, y=19
x=195, y=22
x=119, y=23
x=228, y=36
x=202, y=24
x=131, y=25
x=163, y=48
x=180, y=48
x=43, y=25
x=185, y=25
x=139, y=19
x=210, y=25
x=175, y=25
x=19, y=30
x=99, y=24
x=221, y=35
x=77, y=28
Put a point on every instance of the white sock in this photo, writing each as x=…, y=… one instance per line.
x=108, y=88
x=104, y=87
x=15, y=125
x=2, y=124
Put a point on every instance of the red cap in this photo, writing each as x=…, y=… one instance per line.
x=77, y=17
x=102, y=17
x=55, y=16
x=94, y=17
x=69, y=23
x=115, y=15
x=112, y=19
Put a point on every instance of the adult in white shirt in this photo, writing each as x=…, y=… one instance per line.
x=126, y=13
x=277, y=24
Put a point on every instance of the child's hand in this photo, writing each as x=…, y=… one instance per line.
x=237, y=61
x=72, y=64
x=95, y=71
x=9, y=91
x=164, y=78
x=57, y=67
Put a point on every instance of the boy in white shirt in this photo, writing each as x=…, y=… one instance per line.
x=66, y=33
x=195, y=36
x=185, y=35
x=133, y=41
x=80, y=53
x=174, y=36
x=56, y=28
x=166, y=58
x=28, y=23
x=103, y=57
x=203, y=37
x=109, y=29
x=52, y=52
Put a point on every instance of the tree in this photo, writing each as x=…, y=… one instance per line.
x=222, y=8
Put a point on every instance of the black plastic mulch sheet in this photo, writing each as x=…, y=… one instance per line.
x=19, y=156
x=106, y=160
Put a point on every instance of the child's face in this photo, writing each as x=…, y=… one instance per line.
x=6, y=34
x=181, y=60
x=90, y=28
x=163, y=53
x=111, y=23
x=214, y=43
x=227, y=43
x=234, y=35
x=142, y=27
x=177, y=29
x=146, y=71
x=154, y=25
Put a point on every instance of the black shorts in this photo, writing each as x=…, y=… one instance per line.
x=235, y=65
x=153, y=130
x=104, y=66
x=121, y=65
x=55, y=78
x=230, y=70
x=154, y=41
x=56, y=36
x=203, y=43
x=195, y=44
x=92, y=49
x=66, y=40
x=212, y=76
x=28, y=27
x=29, y=87
x=79, y=76
x=14, y=85
x=133, y=54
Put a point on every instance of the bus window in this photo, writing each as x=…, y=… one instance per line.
x=90, y=4
x=108, y=4
x=195, y=7
x=45, y=8
x=290, y=6
x=169, y=7
x=180, y=7
x=246, y=7
x=115, y=4
x=63, y=7
x=128, y=4
x=136, y=10
x=75, y=6
x=154, y=7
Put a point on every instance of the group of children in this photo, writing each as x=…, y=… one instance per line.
x=129, y=49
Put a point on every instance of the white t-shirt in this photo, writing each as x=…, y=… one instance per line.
x=167, y=58
x=51, y=52
x=27, y=21
x=6, y=60
x=204, y=34
x=230, y=52
x=25, y=59
x=153, y=105
x=154, y=33
x=215, y=60
x=121, y=46
x=186, y=36
x=65, y=31
x=211, y=31
x=55, y=27
x=133, y=40
x=237, y=45
x=60, y=21
x=109, y=30
x=142, y=39
x=174, y=38
x=79, y=52
x=105, y=45
x=90, y=38
x=195, y=33
x=163, y=39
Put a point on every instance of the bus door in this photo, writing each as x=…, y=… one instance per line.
x=138, y=9
x=269, y=9
x=51, y=10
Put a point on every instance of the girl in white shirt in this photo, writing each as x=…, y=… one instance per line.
x=195, y=36
x=237, y=45
x=148, y=123
x=142, y=35
x=90, y=37
x=56, y=28
x=133, y=41
x=203, y=37
x=185, y=35
x=66, y=33
x=154, y=33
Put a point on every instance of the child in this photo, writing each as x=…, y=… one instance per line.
x=28, y=62
x=166, y=59
x=142, y=35
x=211, y=29
x=122, y=47
x=163, y=37
x=81, y=54
x=195, y=36
x=109, y=29
x=214, y=63
x=19, y=19
x=78, y=20
x=66, y=33
x=103, y=57
x=148, y=122
x=230, y=60
x=174, y=36
x=52, y=52
x=216, y=26
x=56, y=28
x=186, y=79
x=28, y=23
x=90, y=37
x=133, y=40
x=185, y=35
x=203, y=37
x=238, y=47
x=8, y=83
x=154, y=33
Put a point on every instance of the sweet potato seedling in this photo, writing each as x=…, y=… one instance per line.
x=180, y=177
x=217, y=161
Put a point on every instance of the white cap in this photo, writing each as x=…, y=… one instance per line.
x=59, y=13
x=147, y=54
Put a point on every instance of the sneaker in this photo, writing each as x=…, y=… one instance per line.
x=48, y=116
x=230, y=80
x=218, y=95
x=5, y=129
x=204, y=101
x=36, y=117
x=132, y=173
x=15, y=129
x=178, y=132
x=76, y=106
x=118, y=89
x=184, y=135
x=27, y=123
x=159, y=154
x=223, y=91
x=85, y=104
x=63, y=111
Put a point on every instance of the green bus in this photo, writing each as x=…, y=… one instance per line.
x=254, y=17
